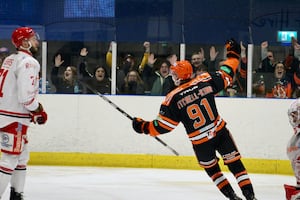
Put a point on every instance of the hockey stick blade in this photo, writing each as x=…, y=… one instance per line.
x=124, y=113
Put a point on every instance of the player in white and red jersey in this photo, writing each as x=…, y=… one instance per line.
x=293, y=150
x=19, y=86
x=193, y=104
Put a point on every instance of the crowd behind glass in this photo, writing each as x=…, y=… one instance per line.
x=144, y=68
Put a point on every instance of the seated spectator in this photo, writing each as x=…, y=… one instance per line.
x=68, y=84
x=133, y=84
x=280, y=84
x=100, y=81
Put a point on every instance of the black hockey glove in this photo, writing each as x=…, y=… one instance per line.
x=233, y=49
x=139, y=125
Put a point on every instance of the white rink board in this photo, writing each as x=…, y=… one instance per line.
x=87, y=123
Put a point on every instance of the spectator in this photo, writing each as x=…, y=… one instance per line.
x=4, y=52
x=148, y=74
x=100, y=81
x=267, y=59
x=197, y=60
x=200, y=64
x=279, y=86
x=128, y=63
x=133, y=84
x=68, y=84
x=83, y=67
x=157, y=77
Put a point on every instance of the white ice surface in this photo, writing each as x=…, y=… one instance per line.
x=98, y=183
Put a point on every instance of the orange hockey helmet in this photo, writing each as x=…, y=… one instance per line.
x=183, y=69
x=20, y=34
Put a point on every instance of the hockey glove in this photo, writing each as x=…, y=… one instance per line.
x=139, y=125
x=233, y=49
x=39, y=115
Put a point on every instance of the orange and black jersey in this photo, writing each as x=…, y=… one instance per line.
x=193, y=104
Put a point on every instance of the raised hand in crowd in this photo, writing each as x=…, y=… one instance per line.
x=296, y=46
x=68, y=83
x=151, y=59
x=84, y=52
x=172, y=59
x=82, y=66
x=243, y=50
x=147, y=46
x=213, y=53
x=145, y=57
x=264, y=44
x=58, y=61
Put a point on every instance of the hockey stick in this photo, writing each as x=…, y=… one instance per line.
x=124, y=113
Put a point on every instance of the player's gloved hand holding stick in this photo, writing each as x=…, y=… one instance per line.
x=39, y=115
x=141, y=126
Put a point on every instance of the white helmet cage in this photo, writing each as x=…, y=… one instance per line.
x=294, y=113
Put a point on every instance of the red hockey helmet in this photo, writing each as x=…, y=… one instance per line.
x=183, y=69
x=20, y=34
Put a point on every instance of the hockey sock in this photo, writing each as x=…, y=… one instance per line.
x=18, y=179
x=4, y=181
x=241, y=175
x=220, y=180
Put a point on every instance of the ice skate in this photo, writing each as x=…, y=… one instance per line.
x=234, y=197
x=15, y=195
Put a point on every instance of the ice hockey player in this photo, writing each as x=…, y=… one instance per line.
x=293, y=150
x=19, y=86
x=192, y=102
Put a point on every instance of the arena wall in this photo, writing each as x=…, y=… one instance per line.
x=86, y=130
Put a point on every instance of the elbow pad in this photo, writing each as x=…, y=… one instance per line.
x=230, y=66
